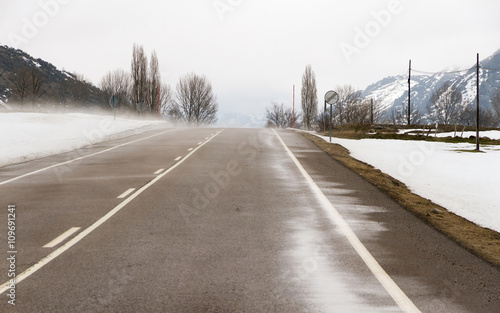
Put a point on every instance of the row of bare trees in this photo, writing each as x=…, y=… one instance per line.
x=194, y=102
x=140, y=89
x=278, y=116
x=351, y=108
x=446, y=106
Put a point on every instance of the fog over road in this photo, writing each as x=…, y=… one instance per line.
x=223, y=220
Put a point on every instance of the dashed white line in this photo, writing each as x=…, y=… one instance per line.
x=178, y=158
x=159, y=171
x=190, y=149
x=385, y=280
x=126, y=193
x=40, y=264
x=199, y=143
x=81, y=158
x=62, y=237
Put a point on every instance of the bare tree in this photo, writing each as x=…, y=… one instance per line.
x=21, y=83
x=280, y=117
x=398, y=114
x=309, y=96
x=196, y=101
x=376, y=112
x=139, y=72
x=347, y=107
x=79, y=90
x=80, y=77
x=153, y=84
x=487, y=118
x=445, y=105
x=495, y=104
x=168, y=107
x=117, y=83
x=275, y=115
x=468, y=115
x=37, y=82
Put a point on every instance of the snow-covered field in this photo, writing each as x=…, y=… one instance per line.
x=492, y=134
x=28, y=136
x=465, y=183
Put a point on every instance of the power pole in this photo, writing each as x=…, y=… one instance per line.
x=477, y=104
x=293, y=110
x=371, y=111
x=409, y=95
x=324, y=118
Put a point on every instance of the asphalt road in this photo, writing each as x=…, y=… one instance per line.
x=222, y=220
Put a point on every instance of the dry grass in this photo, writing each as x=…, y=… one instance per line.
x=483, y=242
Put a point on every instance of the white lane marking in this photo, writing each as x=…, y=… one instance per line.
x=126, y=193
x=62, y=237
x=392, y=288
x=158, y=171
x=190, y=149
x=199, y=143
x=178, y=158
x=81, y=158
x=40, y=264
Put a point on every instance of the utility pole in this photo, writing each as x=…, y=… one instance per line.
x=293, y=110
x=324, y=118
x=409, y=94
x=330, y=119
x=477, y=104
x=371, y=111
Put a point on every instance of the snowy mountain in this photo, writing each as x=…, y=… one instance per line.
x=392, y=92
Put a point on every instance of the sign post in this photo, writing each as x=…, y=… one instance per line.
x=113, y=102
x=140, y=107
x=331, y=97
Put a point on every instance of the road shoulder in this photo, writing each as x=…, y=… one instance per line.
x=483, y=242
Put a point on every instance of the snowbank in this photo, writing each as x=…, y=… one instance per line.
x=28, y=136
x=465, y=183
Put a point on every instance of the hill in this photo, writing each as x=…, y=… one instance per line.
x=35, y=82
x=392, y=92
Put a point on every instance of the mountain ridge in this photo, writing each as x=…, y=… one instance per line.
x=392, y=92
x=60, y=88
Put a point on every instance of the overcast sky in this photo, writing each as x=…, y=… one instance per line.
x=254, y=51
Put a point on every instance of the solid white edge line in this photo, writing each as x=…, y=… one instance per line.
x=80, y=158
x=158, y=171
x=385, y=280
x=126, y=193
x=62, y=237
x=40, y=264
